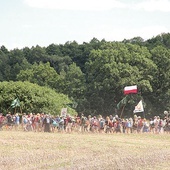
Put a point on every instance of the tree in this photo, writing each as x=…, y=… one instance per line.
x=4, y=66
x=160, y=83
x=33, y=98
x=113, y=67
x=74, y=80
x=17, y=62
x=73, y=83
x=160, y=40
x=60, y=63
x=35, y=54
x=41, y=74
x=53, y=49
x=135, y=40
x=4, y=49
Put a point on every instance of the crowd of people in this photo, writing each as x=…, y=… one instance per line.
x=41, y=122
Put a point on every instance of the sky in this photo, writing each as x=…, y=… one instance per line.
x=27, y=23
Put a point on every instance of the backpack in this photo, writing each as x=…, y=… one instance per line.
x=47, y=120
x=110, y=124
x=61, y=122
x=129, y=124
x=83, y=120
x=101, y=123
x=140, y=124
x=152, y=124
x=69, y=120
x=118, y=125
x=160, y=123
x=95, y=123
x=54, y=123
x=25, y=121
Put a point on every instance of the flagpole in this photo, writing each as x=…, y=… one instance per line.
x=143, y=110
x=122, y=111
x=20, y=110
x=15, y=111
x=143, y=114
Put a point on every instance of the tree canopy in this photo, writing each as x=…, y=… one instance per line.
x=93, y=74
x=33, y=98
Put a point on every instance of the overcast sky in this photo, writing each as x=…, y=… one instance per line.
x=27, y=23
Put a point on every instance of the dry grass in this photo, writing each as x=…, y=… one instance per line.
x=56, y=151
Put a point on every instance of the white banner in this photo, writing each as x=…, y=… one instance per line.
x=63, y=112
x=139, y=107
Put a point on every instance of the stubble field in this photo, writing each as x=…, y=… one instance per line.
x=58, y=151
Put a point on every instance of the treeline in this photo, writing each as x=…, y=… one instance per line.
x=94, y=74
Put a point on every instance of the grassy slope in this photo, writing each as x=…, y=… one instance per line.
x=29, y=150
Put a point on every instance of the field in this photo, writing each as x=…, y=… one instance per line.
x=55, y=151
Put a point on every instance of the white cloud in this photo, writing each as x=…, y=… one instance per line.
x=76, y=4
x=154, y=5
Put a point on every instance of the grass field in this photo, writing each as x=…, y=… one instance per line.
x=55, y=151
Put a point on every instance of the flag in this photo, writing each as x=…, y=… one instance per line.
x=15, y=103
x=64, y=112
x=139, y=107
x=122, y=102
x=130, y=89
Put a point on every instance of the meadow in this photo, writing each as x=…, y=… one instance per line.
x=60, y=151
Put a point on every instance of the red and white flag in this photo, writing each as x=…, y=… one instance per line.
x=139, y=107
x=130, y=89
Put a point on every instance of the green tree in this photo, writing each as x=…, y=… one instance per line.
x=113, y=67
x=17, y=62
x=33, y=98
x=60, y=63
x=53, y=49
x=36, y=54
x=4, y=66
x=4, y=49
x=160, y=40
x=73, y=84
x=160, y=83
x=41, y=74
x=135, y=40
x=74, y=81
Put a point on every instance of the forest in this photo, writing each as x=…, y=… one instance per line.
x=91, y=75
